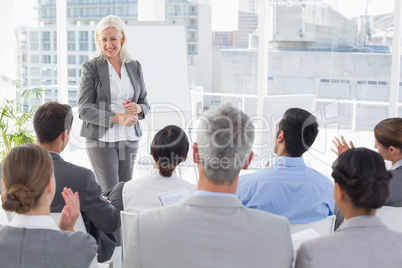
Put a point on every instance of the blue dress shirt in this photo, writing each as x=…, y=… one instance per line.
x=290, y=189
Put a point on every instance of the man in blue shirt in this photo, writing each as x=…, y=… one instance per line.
x=289, y=188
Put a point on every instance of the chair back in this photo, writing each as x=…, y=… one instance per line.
x=391, y=217
x=127, y=219
x=79, y=224
x=322, y=227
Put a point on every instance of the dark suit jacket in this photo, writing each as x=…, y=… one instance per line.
x=94, y=97
x=22, y=247
x=101, y=219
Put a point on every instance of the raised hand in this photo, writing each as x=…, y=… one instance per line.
x=341, y=145
x=71, y=210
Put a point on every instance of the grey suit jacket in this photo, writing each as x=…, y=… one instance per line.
x=30, y=248
x=208, y=231
x=359, y=242
x=102, y=220
x=94, y=97
x=395, y=189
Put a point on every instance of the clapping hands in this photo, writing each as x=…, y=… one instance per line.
x=71, y=210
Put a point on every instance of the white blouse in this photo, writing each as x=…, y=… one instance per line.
x=143, y=194
x=121, y=90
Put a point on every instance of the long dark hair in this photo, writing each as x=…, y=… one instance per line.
x=169, y=148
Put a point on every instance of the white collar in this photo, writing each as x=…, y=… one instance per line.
x=33, y=222
x=397, y=164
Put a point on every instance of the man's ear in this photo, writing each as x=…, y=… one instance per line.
x=64, y=134
x=250, y=157
x=281, y=137
x=196, y=157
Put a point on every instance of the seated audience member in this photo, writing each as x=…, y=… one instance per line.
x=52, y=124
x=32, y=239
x=289, y=188
x=361, y=186
x=388, y=142
x=168, y=149
x=212, y=228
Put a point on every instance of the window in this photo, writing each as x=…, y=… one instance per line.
x=83, y=46
x=71, y=59
x=83, y=36
x=71, y=46
x=46, y=59
x=71, y=72
x=46, y=71
x=33, y=37
x=72, y=94
x=82, y=59
x=34, y=58
x=46, y=41
x=72, y=103
x=35, y=71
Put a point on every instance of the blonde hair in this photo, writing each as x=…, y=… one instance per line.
x=26, y=171
x=118, y=24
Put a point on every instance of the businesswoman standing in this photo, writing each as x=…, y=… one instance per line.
x=111, y=100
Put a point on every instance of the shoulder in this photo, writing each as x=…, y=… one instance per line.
x=133, y=63
x=318, y=176
x=264, y=175
x=71, y=169
x=266, y=217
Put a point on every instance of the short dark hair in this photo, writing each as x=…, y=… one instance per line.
x=50, y=120
x=300, y=128
x=362, y=174
x=169, y=148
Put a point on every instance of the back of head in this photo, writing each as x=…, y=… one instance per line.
x=50, y=120
x=225, y=138
x=25, y=172
x=300, y=128
x=169, y=148
x=362, y=174
x=118, y=24
x=389, y=132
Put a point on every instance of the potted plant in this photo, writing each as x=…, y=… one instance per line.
x=16, y=118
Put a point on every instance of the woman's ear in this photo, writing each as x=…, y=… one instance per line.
x=393, y=150
x=339, y=192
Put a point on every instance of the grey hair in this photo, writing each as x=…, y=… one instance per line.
x=225, y=138
x=118, y=24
